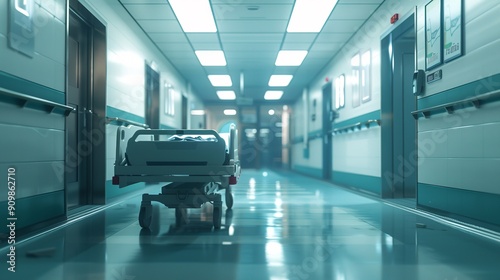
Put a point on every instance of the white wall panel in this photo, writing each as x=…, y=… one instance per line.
x=33, y=178
x=46, y=67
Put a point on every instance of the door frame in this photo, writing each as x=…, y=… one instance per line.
x=96, y=136
x=327, y=92
x=388, y=169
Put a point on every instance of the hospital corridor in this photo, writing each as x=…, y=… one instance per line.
x=282, y=226
x=249, y=139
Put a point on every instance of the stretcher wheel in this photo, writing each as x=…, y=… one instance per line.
x=229, y=198
x=145, y=215
x=180, y=216
x=217, y=216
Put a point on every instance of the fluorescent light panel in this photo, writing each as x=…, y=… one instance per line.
x=310, y=15
x=290, y=58
x=226, y=94
x=197, y=112
x=229, y=112
x=220, y=80
x=273, y=94
x=211, y=58
x=194, y=15
x=280, y=80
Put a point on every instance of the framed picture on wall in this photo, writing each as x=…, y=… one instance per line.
x=452, y=29
x=340, y=92
x=365, y=77
x=433, y=38
x=355, y=65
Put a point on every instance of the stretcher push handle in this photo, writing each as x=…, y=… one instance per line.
x=179, y=132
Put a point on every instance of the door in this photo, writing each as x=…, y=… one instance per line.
x=399, y=147
x=327, y=135
x=78, y=123
x=405, y=150
x=152, y=104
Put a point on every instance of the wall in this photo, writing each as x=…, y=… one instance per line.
x=32, y=140
x=458, y=154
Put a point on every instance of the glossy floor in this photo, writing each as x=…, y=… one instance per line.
x=282, y=226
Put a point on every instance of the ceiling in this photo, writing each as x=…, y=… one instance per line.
x=250, y=32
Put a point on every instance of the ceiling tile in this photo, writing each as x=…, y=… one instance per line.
x=251, y=37
x=350, y=11
x=160, y=25
x=342, y=26
x=252, y=26
x=164, y=37
x=330, y=37
x=151, y=11
x=252, y=11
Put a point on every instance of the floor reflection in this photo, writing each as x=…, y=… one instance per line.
x=282, y=226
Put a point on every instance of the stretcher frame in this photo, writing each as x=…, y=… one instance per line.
x=188, y=186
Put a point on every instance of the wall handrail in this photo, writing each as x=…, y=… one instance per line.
x=126, y=122
x=25, y=99
x=449, y=108
x=357, y=125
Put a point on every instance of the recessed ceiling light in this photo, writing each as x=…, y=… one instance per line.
x=273, y=94
x=226, y=94
x=194, y=15
x=198, y=112
x=229, y=112
x=280, y=80
x=211, y=58
x=310, y=15
x=220, y=80
x=290, y=58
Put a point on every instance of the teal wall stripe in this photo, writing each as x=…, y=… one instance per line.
x=471, y=89
x=113, y=112
x=315, y=134
x=375, y=115
x=162, y=126
x=297, y=139
x=311, y=171
x=35, y=209
x=113, y=191
x=368, y=183
x=480, y=206
x=27, y=87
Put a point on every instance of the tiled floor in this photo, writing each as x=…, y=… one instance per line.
x=283, y=226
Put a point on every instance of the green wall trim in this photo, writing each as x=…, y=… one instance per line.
x=479, y=206
x=27, y=87
x=162, y=126
x=365, y=182
x=315, y=134
x=471, y=89
x=35, y=209
x=311, y=171
x=297, y=139
x=113, y=112
x=375, y=115
x=113, y=191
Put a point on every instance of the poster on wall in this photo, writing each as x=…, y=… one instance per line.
x=21, y=29
x=452, y=29
x=433, y=42
x=355, y=63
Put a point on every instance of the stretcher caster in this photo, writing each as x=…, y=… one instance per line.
x=180, y=216
x=145, y=215
x=217, y=217
x=229, y=198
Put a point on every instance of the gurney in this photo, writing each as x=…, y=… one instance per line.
x=196, y=164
